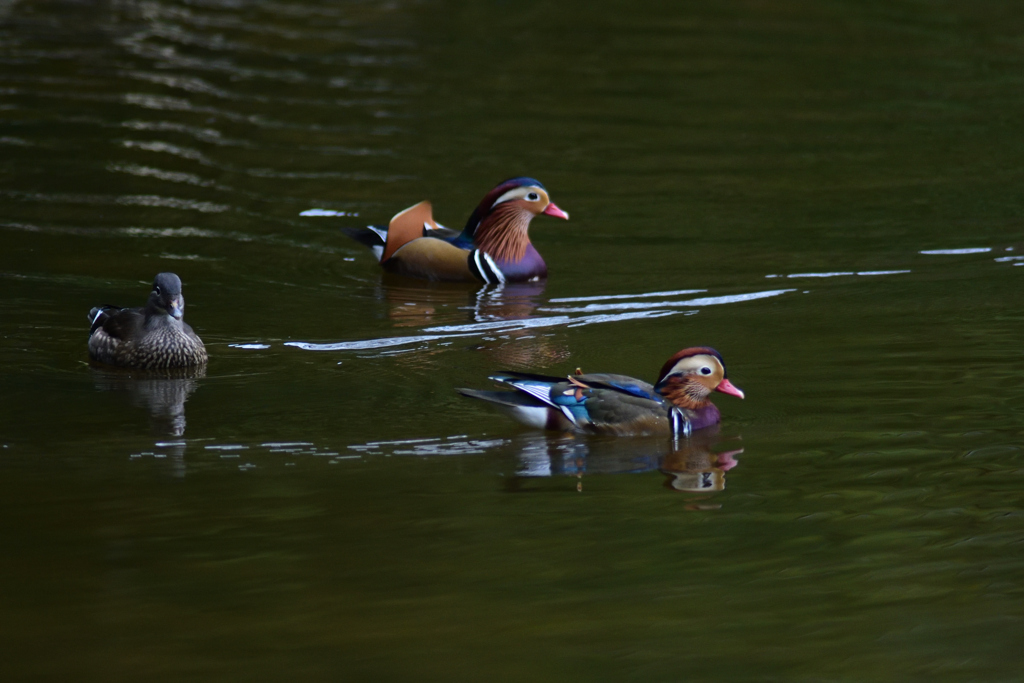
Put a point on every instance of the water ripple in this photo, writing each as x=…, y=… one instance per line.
x=497, y=327
x=704, y=301
x=161, y=174
x=123, y=200
x=950, y=252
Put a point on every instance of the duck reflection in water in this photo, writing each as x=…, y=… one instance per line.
x=413, y=303
x=690, y=465
x=163, y=393
x=458, y=307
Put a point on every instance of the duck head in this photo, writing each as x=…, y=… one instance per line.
x=689, y=377
x=165, y=297
x=499, y=224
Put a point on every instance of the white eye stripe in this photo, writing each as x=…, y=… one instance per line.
x=696, y=365
x=518, y=193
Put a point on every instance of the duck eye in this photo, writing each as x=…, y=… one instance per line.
x=533, y=196
x=156, y=288
x=705, y=370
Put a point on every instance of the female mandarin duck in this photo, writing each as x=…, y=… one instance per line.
x=615, y=404
x=493, y=248
x=150, y=338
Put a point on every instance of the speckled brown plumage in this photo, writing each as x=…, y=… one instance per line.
x=151, y=338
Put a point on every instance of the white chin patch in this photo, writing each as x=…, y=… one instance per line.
x=378, y=252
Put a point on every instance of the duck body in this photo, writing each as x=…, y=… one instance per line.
x=150, y=338
x=493, y=248
x=602, y=403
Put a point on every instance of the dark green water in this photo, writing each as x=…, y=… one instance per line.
x=869, y=522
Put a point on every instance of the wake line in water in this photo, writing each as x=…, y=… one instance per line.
x=608, y=297
x=704, y=301
x=649, y=311
x=476, y=330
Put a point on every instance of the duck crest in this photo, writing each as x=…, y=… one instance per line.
x=681, y=391
x=487, y=203
x=686, y=353
x=503, y=233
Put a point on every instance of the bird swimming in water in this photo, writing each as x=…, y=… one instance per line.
x=677, y=404
x=493, y=248
x=151, y=338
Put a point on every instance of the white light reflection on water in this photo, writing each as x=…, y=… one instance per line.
x=955, y=252
x=476, y=330
x=327, y=212
x=842, y=273
x=256, y=454
x=704, y=301
x=636, y=311
x=452, y=445
x=604, y=297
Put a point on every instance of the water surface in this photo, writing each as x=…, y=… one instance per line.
x=827, y=193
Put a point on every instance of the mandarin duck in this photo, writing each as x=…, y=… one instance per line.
x=677, y=404
x=150, y=338
x=493, y=248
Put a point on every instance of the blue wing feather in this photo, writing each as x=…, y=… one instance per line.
x=627, y=385
x=560, y=393
x=630, y=389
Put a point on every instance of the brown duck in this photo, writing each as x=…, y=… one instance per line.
x=151, y=338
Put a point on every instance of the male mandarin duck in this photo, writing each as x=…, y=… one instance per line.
x=150, y=338
x=615, y=404
x=494, y=247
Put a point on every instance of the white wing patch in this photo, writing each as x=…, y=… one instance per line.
x=543, y=393
x=538, y=391
x=568, y=414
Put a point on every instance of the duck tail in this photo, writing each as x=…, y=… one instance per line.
x=520, y=407
x=373, y=236
x=512, y=399
x=98, y=315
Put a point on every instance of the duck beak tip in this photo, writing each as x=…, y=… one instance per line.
x=552, y=210
x=727, y=387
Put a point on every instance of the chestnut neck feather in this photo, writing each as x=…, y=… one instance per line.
x=502, y=234
x=689, y=395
